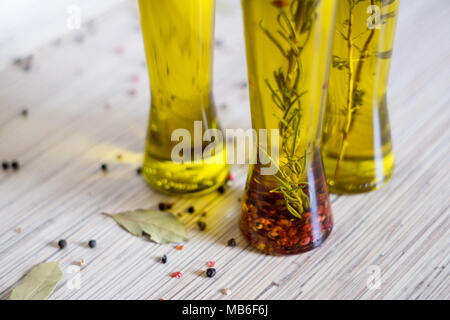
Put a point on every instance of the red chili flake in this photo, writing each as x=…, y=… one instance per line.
x=305, y=241
x=176, y=275
x=211, y=264
x=230, y=177
x=307, y=228
x=179, y=248
x=280, y=3
x=320, y=210
x=160, y=299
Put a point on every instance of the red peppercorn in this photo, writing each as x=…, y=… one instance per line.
x=176, y=275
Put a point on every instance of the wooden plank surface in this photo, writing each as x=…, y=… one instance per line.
x=84, y=109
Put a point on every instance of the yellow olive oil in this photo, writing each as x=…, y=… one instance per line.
x=179, y=39
x=356, y=141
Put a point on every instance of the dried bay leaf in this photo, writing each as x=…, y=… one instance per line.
x=39, y=283
x=161, y=227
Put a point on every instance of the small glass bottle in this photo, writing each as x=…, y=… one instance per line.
x=356, y=141
x=288, y=46
x=179, y=39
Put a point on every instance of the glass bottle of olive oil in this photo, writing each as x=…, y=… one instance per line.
x=288, y=52
x=179, y=39
x=356, y=141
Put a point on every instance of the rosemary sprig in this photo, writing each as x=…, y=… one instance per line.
x=293, y=34
x=355, y=95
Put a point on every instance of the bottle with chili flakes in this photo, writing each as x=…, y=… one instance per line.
x=287, y=210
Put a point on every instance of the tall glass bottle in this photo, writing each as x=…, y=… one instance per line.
x=288, y=47
x=356, y=145
x=179, y=38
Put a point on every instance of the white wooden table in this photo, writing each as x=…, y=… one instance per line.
x=85, y=109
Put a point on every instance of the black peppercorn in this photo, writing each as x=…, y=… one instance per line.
x=15, y=165
x=92, y=243
x=221, y=189
x=232, y=242
x=162, y=206
x=164, y=259
x=210, y=272
x=201, y=225
x=62, y=243
x=5, y=165
x=104, y=167
x=191, y=209
x=139, y=171
x=24, y=112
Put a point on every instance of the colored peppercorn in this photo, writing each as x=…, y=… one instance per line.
x=104, y=167
x=139, y=171
x=201, y=225
x=221, y=189
x=5, y=165
x=210, y=272
x=15, y=165
x=62, y=243
x=164, y=206
x=191, y=209
x=232, y=242
x=24, y=112
x=211, y=264
x=164, y=259
x=92, y=243
x=177, y=275
x=179, y=248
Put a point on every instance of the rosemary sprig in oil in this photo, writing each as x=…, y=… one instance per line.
x=295, y=24
x=355, y=94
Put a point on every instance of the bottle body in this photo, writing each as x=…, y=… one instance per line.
x=288, y=44
x=179, y=38
x=356, y=141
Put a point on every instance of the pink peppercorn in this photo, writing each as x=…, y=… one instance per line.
x=135, y=78
x=176, y=275
x=211, y=264
x=120, y=50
